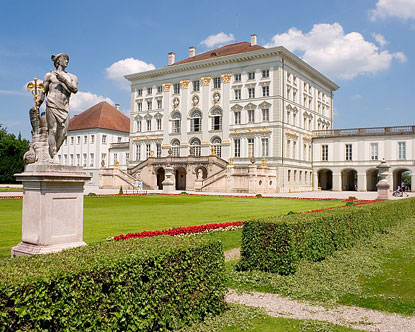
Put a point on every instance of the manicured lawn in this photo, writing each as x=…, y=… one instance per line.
x=240, y=318
x=109, y=216
x=5, y=190
x=377, y=273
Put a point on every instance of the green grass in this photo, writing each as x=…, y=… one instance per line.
x=10, y=190
x=110, y=216
x=240, y=318
x=378, y=273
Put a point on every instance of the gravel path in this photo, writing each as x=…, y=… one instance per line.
x=358, y=318
x=232, y=254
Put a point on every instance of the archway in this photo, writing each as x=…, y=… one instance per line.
x=349, y=180
x=371, y=179
x=160, y=174
x=180, y=175
x=325, y=179
x=201, y=171
x=402, y=175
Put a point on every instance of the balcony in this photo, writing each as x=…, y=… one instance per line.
x=374, y=131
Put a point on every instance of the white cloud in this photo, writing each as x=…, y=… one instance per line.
x=404, y=9
x=81, y=101
x=127, y=66
x=336, y=54
x=380, y=39
x=356, y=97
x=219, y=38
x=14, y=92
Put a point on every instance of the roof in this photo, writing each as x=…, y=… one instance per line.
x=222, y=51
x=102, y=115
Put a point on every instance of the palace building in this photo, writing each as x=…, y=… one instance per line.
x=244, y=118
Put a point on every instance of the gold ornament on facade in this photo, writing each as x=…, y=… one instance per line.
x=151, y=153
x=307, y=138
x=291, y=133
x=205, y=80
x=166, y=86
x=212, y=151
x=264, y=162
x=184, y=84
x=226, y=78
x=230, y=161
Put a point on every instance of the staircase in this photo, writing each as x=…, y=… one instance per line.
x=213, y=178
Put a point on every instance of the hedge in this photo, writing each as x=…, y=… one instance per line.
x=151, y=284
x=277, y=244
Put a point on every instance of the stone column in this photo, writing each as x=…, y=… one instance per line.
x=361, y=182
x=168, y=183
x=337, y=181
x=52, y=218
x=412, y=181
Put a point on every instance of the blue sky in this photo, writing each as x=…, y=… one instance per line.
x=366, y=46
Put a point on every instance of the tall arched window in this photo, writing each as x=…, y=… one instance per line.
x=176, y=119
x=195, y=144
x=196, y=121
x=217, y=147
x=216, y=119
x=175, y=147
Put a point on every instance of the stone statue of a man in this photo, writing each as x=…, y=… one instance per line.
x=58, y=87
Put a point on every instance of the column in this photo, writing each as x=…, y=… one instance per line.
x=361, y=182
x=337, y=181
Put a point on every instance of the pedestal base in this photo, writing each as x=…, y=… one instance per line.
x=28, y=249
x=52, y=217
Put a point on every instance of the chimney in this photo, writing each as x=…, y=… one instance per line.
x=117, y=106
x=171, y=58
x=192, y=51
x=253, y=39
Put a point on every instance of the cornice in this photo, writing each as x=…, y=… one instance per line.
x=239, y=57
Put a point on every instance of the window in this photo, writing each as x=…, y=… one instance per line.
x=374, y=151
x=92, y=139
x=237, y=77
x=265, y=147
x=85, y=139
x=295, y=175
x=127, y=157
x=71, y=158
x=78, y=159
x=196, y=86
x=158, y=124
x=237, y=93
x=196, y=121
x=159, y=89
x=140, y=106
x=119, y=139
x=216, y=82
x=251, y=75
x=237, y=117
x=348, y=152
x=159, y=103
x=137, y=152
x=65, y=158
x=91, y=160
x=148, y=150
x=294, y=149
x=402, y=150
x=78, y=139
x=148, y=125
x=300, y=176
x=265, y=91
x=288, y=151
x=149, y=105
x=176, y=118
x=216, y=119
x=149, y=91
x=103, y=158
x=175, y=147
x=251, y=116
x=325, y=152
x=251, y=150
x=265, y=73
x=237, y=148
x=158, y=150
x=115, y=158
x=104, y=139
x=85, y=160
x=289, y=175
x=195, y=144
x=217, y=147
x=176, y=88
x=265, y=114
x=251, y=92
x=139, y=126
x=72, y=140
x=66, y=141
x=140, y=92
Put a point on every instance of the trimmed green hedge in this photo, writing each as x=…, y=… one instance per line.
x=149, y=284
x=276, y=244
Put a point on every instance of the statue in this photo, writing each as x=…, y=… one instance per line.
x=57, y=87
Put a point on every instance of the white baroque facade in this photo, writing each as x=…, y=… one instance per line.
x=241, y=101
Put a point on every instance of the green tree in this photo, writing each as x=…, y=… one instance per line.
x=12, y=150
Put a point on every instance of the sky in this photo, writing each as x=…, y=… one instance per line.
x=367, y=47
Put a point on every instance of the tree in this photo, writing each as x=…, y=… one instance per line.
x=12, y=150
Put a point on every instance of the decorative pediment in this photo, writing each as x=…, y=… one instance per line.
x=236, y=108
x=148, y=116
x=250, y=106
x=138, y=118
x=291, y=134
x=264, y=104
x=158, y=115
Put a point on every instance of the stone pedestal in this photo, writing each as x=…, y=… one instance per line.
x=168, y=183
x=383, y=190
x=53, y=201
